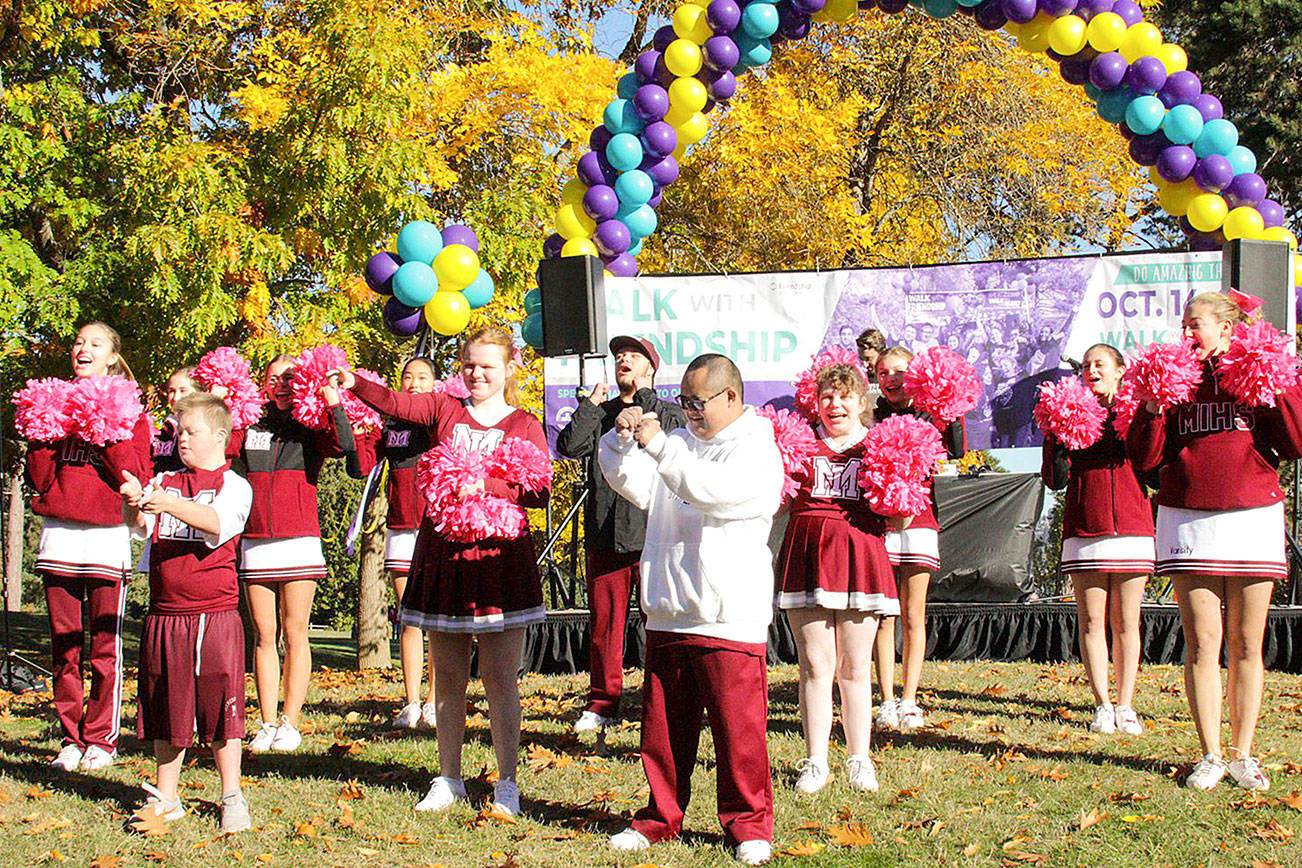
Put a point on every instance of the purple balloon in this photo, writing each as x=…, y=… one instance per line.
x=662, y=172
x=1057, y=8
x=723, y=16
x=1018, y=11
x=599, y=138
x=552, y=246
x=1213, y=173
x=1176, y=163
x=458, y=233
x=1180, y=88
x=1208, y=106
x=1145, y=151
x=645, y=65
x=651, y=102
x=663, y=76
x=891, y=7
x=1146, y=75
x=720, y=52
x=1203, y=241
x=659, y=139
x=600, y=202
x=1129, y=10
x=723, y=88
x=709, y=105
x=663, y=37
x=794, y=25
x=656, y=199
x=612, y=237
x=403, y=321
x=1272, y=213
x=594, y=169
x=1108, y=70
x=380, y=270
x=867, y=4
x=809, y=7
x=622, y=265
x=1075, y=70
x=1246, y=191
x=989, y=15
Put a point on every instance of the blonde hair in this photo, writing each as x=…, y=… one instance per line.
x=120, y=368
x=895, y=352
x=501, y=338
x=1220, y=305
x=213, y=410
x=846, y=378
x=186, y=371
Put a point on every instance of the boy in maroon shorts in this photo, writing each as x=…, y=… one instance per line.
x=191, y=682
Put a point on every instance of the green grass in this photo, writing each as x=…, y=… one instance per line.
x=1002, y=777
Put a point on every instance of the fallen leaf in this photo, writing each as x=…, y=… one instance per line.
x=1013, y=857
x=266, y=858
x=1257, y=863
x=1129, y=798
x=49, y=825
x=404, y=838
x=305, y=830
x=1015, y=842
x=148, y=823
x=810, y=825
x=850, y=835
x=1293, y=800
x=345, y=819
x=804, y=848
x=346, y=748
x=106, y=862
x=971, y=850
x=1272, y=830
x=35, y=792
x=352, y=790
x=1092, y=817
x=54, y=856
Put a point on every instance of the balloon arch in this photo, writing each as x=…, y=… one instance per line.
x=1136, y=79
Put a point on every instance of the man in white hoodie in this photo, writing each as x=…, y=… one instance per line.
x=710, y=491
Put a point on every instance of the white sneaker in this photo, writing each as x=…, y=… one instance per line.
x=408, y=717
x=261, y=741
x=235, y=814
x=443, y=792
x=860, y=773
x=590, y=721
x=814, y=775
x=1128, y=721
x=96, y=758
x=1247, y=774
x=629, y=839
x=1105, y=720
x=506, y=798
x=1207, y=774
x=911, y=716
x=757, y=852
x=155, y=802
x=288, y=738
x=429, y=715
x=888, y=715
x=68, y=759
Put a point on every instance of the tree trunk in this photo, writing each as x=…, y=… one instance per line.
x=373, y=631
x=14, y=538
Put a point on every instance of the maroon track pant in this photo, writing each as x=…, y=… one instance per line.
x=97, y=722
x=685, y=676
x=612, y=576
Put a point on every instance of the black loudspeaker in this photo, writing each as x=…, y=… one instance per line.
x=573, y=306
x=1263, y=268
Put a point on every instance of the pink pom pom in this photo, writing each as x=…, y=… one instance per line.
x=1167, y=373
x=453, y=386
x=105, y=409
x=519, y=461
x=441, y=472
x=807, y=383
x=225, y=367
x=1125, y=404
x=1070, y=411
x=796, y=444
x=360, y=415
x=900, y=455
x=942, y=384
x=310, y=369
x=42, y=409
x=1258, y=365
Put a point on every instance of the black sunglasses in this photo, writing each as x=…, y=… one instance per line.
x=697, y=405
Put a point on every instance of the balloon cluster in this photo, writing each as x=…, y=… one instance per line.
x=434, y=276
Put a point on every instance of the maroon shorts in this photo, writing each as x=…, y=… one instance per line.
x=191, y=682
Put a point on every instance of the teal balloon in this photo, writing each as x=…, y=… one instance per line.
x=970, y=3
x=532, y=330
x=940, y=8
x=628, y=85
x=624, y=151
x=480, y=290
x=415, y=283
x=627, y=208
x=641, y=222
x=635, y=248
x=532, y=301
x=1183, y=124
x=635, y=188
x=1092, y=90
x=759, y=20
x=619, y=117
x=1145, y=115
x=752, y=51
x=1113, y=104
x=1218, y=137
x=1242, y=160
x=419, y=241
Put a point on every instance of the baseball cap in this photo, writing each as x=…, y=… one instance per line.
x=640, y=345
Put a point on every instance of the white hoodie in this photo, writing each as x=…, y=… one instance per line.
x=706, y=566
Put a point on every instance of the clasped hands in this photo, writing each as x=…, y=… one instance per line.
x=634, y=423
x=151, y=502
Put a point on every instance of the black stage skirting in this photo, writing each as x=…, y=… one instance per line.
x=1039, y=632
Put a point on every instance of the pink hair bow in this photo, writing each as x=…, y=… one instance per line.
x=1247, y=302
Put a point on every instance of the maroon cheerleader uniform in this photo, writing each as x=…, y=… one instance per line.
x=162, y=448
x=400, y=444
x=479, y=587
x=1107, y=521
x=833, y=555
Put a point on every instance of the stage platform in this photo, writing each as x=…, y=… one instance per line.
x=1040, y=632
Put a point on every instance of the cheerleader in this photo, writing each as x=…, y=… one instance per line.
x=486, y=591
x=835, y=582
x=1107, y=546
x=400, y=444
x=84, y=558
x=1220, y=535
x=915, y=553
x=163, y=446
x=281, y=558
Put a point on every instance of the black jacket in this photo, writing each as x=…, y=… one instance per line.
x=612, y=523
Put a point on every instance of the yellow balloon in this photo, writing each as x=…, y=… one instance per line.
x=1172, y=57
x=1156, y=177
x=1013, y=29
x=457, y=266
x=1243, y=223
x=1106, y=31
x=690, y=23
x=704, y=4
x=572, y=192
x=1279, y=233
x=842, y=10
x=821, y=16
x=1067, y=35
x=572, y=222
x=683, y=57
x=687, y=93
x=693, y=129
x=1297, y=273
x=579, y=247
x=1142, y=40
x=1174, y=198
x=1035, y=34
x=448, y=313
x=677, y=114
x=680, y=151
x=1207, y=211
